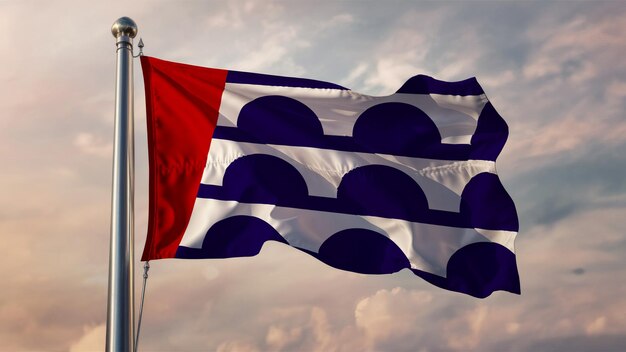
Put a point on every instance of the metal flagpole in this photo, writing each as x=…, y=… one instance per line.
x=121, y=301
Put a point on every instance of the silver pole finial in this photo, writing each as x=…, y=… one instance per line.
x=124, y=26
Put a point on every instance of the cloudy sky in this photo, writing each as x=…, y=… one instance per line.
x=554, y=70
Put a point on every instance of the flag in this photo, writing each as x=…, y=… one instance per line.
x=368, y=184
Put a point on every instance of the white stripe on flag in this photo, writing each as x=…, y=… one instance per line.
x=455, y=116
x=428, y=247
x=441, y=180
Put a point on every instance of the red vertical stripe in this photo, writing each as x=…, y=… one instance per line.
x=182, y=103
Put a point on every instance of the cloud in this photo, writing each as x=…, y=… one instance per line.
x=92, y=145
x=571, y=81
x=229, y=19
x=499, y=79
x=278, y=338
x=567, y=186
x=616, y=89
x=578, y=45
x=337, y=20
x=398, y=58
x=274, y=48
x=464, y=331
x=596, y=326
x=381, y=319
x=236, y=346
x=580, y=343
x=571, y=132
x=356, y=73
x=390, y=73
x=304, y=328
x=321, y=330
x=400, y=319
x=93, y=340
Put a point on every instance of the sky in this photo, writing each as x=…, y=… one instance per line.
x=554, y=70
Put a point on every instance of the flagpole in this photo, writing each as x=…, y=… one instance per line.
x=121, y=302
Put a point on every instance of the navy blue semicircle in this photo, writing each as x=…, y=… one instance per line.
x=271, y=80
x=362, y=251
x=485, y=204
x=261, y=178
x=422, y=84
x=237, y=236
x=395, y=128
x=478, y=269
x=275, y=119
x=490, y=135
x=383, y=191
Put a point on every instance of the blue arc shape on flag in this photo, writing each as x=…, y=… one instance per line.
x=369, y=184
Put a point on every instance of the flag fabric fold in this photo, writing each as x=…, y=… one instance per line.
x=369, y=184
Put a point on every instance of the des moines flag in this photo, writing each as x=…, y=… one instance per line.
x=369, y=184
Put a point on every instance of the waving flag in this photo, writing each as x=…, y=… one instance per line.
x=369, y=184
